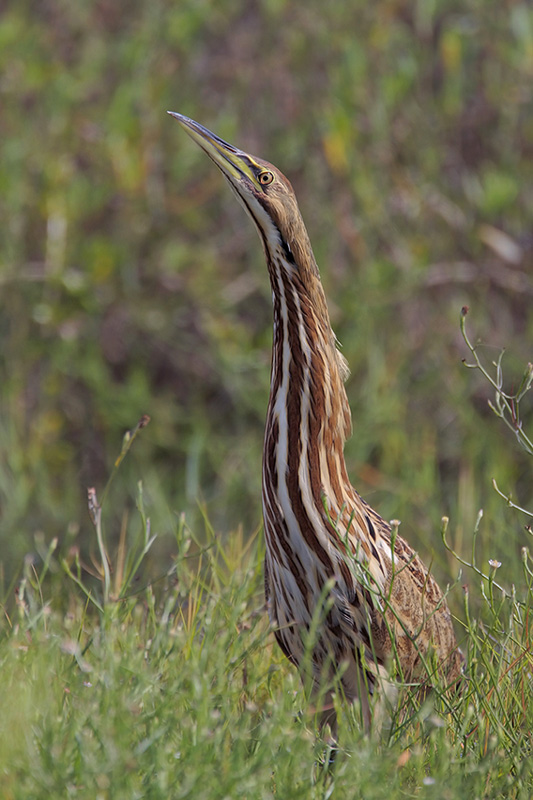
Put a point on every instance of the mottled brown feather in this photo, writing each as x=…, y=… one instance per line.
x=328, y=553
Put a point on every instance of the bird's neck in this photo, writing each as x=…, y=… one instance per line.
x=308, y=416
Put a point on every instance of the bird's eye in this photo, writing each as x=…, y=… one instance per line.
x=266, y=177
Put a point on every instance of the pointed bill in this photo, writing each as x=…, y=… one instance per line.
x=232, y=162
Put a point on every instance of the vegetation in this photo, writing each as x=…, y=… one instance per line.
x=173, y=689
x=132, y=285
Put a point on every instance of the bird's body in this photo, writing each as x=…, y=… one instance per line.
x=334, y=570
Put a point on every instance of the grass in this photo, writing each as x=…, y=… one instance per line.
x=184, y=697
x=112, y=689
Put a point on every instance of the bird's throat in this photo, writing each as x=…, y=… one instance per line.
x=308, y=416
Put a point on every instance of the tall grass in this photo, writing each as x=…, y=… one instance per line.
x=113, y=687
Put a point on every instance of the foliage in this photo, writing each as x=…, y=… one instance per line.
x=132, y=284
x=173, y=689
x=506, y=406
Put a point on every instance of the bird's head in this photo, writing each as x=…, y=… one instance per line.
x=264, y=191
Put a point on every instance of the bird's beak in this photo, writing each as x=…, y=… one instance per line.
x=231, y=161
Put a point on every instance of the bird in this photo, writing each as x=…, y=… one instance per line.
x=348, y=598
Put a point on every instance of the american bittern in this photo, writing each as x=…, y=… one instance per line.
x=330, y=558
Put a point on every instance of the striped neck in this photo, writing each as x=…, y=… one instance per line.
x=308, y=416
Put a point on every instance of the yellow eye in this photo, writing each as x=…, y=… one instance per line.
x=266, y=177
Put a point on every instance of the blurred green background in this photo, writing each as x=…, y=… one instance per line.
x=132, y=282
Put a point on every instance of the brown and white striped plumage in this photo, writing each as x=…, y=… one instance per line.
x=332, y=564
